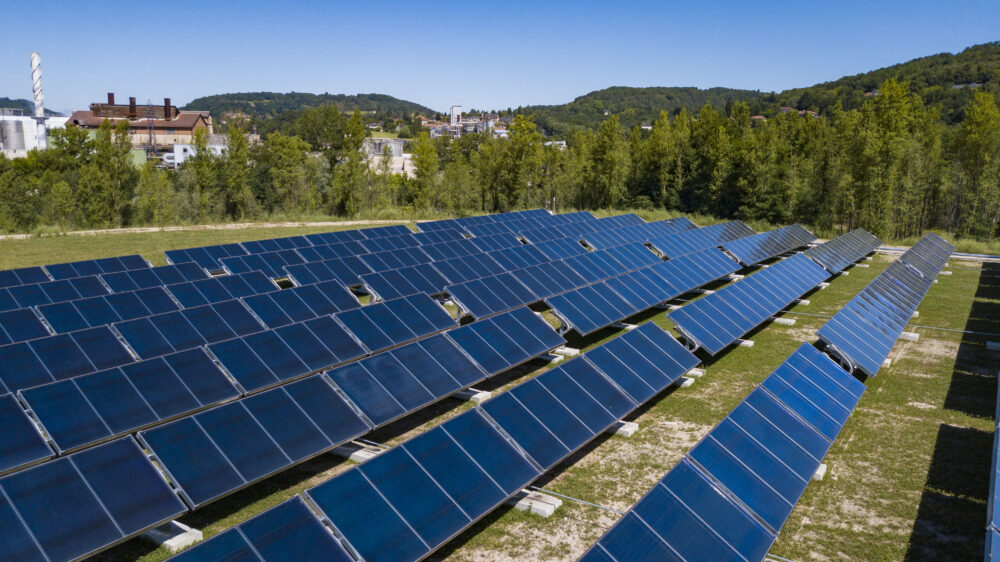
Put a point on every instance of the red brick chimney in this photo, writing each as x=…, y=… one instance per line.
x=132, y=113
x=166, y=108
x=111, y=98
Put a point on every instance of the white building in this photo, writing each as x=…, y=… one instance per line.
x=19, y=133
x=456, y=115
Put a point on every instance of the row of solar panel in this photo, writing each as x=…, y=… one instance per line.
x=595, y=306
x=61, y=356
x=420, y=494
x=696, y=239
x=766, y=245
x=50, y=292
x=89, y=408
x=216, y=451
x=864, y=330
x=23, y=324
x=59, y=271
x=719, y=319
x=843, y=250
x=928, y=255
x=210, y=257
x=729, y=497
x=642, y=233
x=535, y=218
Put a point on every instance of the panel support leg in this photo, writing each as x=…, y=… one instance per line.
x=535, y=502
x=174, y=535
x=623, y=428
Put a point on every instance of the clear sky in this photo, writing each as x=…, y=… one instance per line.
x=478, y=55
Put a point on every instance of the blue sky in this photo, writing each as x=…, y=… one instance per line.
x=475, y=55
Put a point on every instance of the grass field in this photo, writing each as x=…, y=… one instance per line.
x=908, y=476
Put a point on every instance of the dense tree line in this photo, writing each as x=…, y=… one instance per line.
x=892, y=166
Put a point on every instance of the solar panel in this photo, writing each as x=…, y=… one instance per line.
x=719, y=319
x=449, y=250
x=729, y=497
x=491, y=295
x=90, y=267
x=24, y=276
x=425, y=491
x=496, y=347
x=385, y=231
x=43, y=360
x=21, y=444
x=390, y=243
x=591, y=308
x=518, y=257
x=561, y=248
x=692, y=240
x=548, y=279
x=272, y=535
x=388, y=285
x=864, y=330
x=218, y=451
x=766, y=245
x=482, y=470
x=438, y=236
x=78, y=505
x=395, y=259
x=20, y=325
x=467, y=268
x=837, y=254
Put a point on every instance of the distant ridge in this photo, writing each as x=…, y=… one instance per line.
x=264, y=105
x=27, y=106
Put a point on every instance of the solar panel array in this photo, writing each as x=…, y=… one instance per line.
x=227, y=380
x=863, y=332
x=766, y=245
x=843, y=250
x=695, y=239
x=717, y=320
x=425, y=491
x=730, y=495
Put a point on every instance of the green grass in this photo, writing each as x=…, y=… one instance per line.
x=908, y=475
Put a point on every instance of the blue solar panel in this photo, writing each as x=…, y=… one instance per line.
x=591, y=308
x=548, y=279
x=21, y=444
x=25, y=276
x=766, y=245
x=20, y=325
x=78, y=505
x=388, y=285
x=689, y=241
x=731, y=495
x=273, y=535
x=490, y=345
x=560, y=248
x=717, y=320
x=491, y=295
x=467, y=268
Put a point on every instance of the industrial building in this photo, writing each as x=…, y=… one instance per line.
x=20, y=134
x=153, y=127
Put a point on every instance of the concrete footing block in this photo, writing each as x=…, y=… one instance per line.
x=535, y=502
x=820, y=473
x=355, y=452
x=784, y=321
x=684, y=382
x=623, y=428
x=916, y=314
x=909, y=336
x=552, y=357
x=744, y=343
x=803, y=302
x=174, y=535
x=862, y=265
x=704, y=291
x=624, y=326
x=887, y=363
x=869, y=258
x=735, y=276
x=935, y=280
x=696, y=373
x=475, y=396
x=945, y=273
x=823, y=285
x=845, y=272
x=993, y=345
x=566, y=351
x=673, y=307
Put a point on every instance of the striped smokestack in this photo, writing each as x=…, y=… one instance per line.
x=36, y=83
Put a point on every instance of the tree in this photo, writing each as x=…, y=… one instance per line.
x=425, y=160
x=237, y=198
x=609, y=166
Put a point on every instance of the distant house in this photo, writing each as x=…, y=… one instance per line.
x=646, y=127
x=150, y=126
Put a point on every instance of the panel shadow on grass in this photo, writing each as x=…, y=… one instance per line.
x=952, y=512
x=973, y=387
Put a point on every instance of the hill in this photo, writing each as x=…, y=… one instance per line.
x=635, y=105
x=264, y=105
x=27, y=106
x=946, y=79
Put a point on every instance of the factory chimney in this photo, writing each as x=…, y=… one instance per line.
x=36, y=86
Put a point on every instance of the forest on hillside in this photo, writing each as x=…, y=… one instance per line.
x=892, y=166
